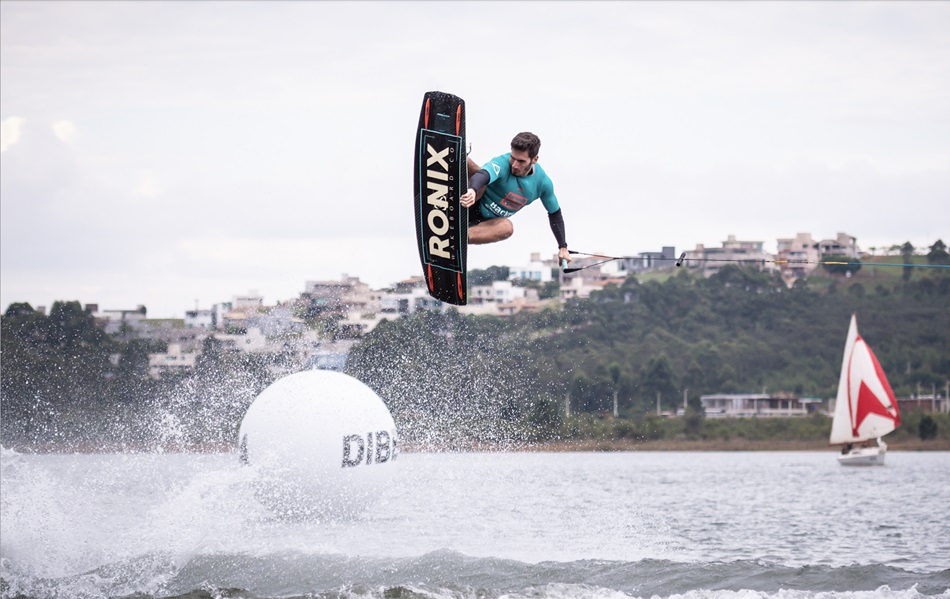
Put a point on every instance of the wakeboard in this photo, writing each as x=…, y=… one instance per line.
x=441, y=176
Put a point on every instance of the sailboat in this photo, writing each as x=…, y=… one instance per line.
x=865, y=409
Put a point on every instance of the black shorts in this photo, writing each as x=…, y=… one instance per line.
x=475, y=215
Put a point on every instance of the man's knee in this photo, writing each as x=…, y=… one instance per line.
x=505, y=229
x=496, y=229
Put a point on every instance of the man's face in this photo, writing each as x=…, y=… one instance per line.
x=521, y=163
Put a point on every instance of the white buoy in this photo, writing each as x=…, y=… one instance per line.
x=321, y=442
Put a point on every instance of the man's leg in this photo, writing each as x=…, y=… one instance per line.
x=490, y=231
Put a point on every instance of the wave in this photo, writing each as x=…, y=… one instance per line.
x=450, y=574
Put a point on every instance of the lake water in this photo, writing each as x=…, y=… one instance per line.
x=635, y=524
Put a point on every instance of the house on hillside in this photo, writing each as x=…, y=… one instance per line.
x=757, y=405
x=407, y=297
x=733, y=251
x=536, y=270
x=119, y=320
x=325, y=299
x=176, y=360
x=797, y=256
x=842, y=245
x=647, y=261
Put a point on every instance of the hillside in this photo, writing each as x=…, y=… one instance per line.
x=456, y=382
x=738, y=331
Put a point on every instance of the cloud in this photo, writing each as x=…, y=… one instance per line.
x=64, y=130
x=10, y=131
x=149, y=186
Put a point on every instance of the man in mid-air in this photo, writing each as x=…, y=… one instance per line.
x=505, y=185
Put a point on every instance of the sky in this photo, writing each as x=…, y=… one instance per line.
x=177, y=154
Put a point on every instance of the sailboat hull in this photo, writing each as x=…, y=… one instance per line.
x=863, y=456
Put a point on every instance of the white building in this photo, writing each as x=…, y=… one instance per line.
x=497, y=292
x=276, y=321
x=175, y=360
x=214, y=317
x=336, y=298
x=408, y=297
x=355, y=325
x=579, y=287
x=330, y=355
x=117, y=321
x=253, y=341
x=797, y=256
x=250, y=301
x=842, y=245
x=536, y=270
x=733, y=251
x=747, y=405
x=593, y=268
x=647, y=261
x=200, y=319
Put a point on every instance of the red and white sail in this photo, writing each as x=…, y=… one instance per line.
x=865, y=408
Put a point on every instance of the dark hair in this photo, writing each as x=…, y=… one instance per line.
x=526, y=142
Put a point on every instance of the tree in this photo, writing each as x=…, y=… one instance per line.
x=838, y=264
x=131, y=377
x=211, y=354
x=548, y=290
x=20, y=309
x=488, y=275
x=705, y=372
x=927, y=429
x=22, y=333
x=69, y=326
x=907, y=253
x=658, y=378
x=614, y=369
x=590, y=393
x=54, y=370
x=938, y=253
x=694, y=417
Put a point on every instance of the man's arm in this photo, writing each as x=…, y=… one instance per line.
x=556, y=219
x=475, y=184
x=557, y=227
x=478, y=180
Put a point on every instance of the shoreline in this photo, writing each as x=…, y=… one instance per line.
x=732, y=445
x=630, y=445
x=586, y=445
